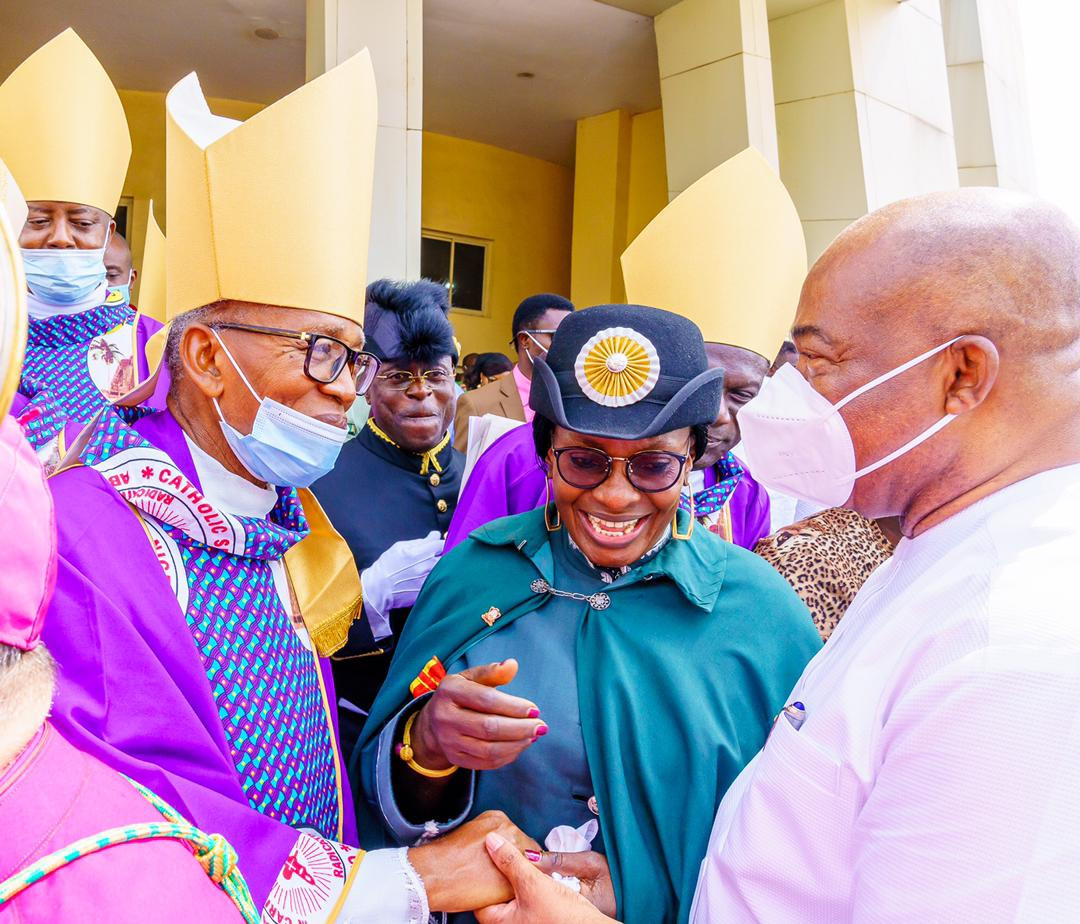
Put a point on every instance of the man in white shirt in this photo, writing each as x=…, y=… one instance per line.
x=927, y=766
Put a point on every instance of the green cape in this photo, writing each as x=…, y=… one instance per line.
x=678, y=683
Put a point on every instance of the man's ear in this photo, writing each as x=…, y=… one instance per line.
x=972, y=368
x=134, y=275
x=202, y=357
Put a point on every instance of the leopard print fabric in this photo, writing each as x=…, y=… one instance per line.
x=826, y=558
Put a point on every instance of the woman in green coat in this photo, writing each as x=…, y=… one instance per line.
x=598, y=660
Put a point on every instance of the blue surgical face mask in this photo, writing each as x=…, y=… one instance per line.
x=64, y=277
x=284, y=447
x=120, y=294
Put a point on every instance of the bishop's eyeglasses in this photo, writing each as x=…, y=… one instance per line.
x=326, y=356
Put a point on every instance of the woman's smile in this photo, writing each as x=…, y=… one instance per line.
x=613, y=532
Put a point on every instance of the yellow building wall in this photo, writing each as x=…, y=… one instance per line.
x=145, y=111
x=601, y=202
x=620, y=184
x=648, y=172
x=523, y=205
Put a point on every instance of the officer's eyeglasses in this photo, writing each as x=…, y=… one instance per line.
x=650, y=472
x=326, y=356
x=432, y=379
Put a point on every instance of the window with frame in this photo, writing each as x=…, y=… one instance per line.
x=122, y=217
x=459, y=263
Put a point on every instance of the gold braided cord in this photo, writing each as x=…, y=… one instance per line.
x=428, y=459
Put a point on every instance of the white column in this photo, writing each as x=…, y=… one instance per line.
x=862, y=109
x=716, y=85
x=392, y=30
x=986, y=82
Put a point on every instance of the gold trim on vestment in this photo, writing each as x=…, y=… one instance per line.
x=340, y=903
x=325, y=580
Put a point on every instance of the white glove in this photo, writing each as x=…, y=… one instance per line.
x=394, y=579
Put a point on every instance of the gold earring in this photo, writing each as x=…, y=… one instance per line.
x=552, y=527
x=675, y=521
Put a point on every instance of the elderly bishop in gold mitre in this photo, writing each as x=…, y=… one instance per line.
x=201, y=589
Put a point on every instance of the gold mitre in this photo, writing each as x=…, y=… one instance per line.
x=63, y=132
x=152, y=275
x=12, y=203
x=12, y=311
x=275, y=210
x=728, y=253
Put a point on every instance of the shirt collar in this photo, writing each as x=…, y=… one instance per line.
x=524, y=388
x=38, y=309
x=434, y=458
x=228, y=491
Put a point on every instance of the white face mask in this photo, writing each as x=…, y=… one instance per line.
x=284, y=447
x=797, y=443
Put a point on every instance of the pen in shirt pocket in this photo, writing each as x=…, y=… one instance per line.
x=795, y=713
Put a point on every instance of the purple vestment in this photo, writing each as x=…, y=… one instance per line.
x=52, y=796
x=133, y=688
x=509, y=479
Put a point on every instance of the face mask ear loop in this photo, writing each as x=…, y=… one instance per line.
x=908, y=446
x=236, y=366
x=543, y=352
x=899, y=370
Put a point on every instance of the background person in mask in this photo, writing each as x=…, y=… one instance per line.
x=925, y=766
x=85, y=346
x=535, y=320
x=120, y=275
x=199, y=592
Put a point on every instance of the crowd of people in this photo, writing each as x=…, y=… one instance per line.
x=742, y=600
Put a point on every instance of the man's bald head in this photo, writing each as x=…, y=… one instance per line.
x=1000, y=270
x=118, y=269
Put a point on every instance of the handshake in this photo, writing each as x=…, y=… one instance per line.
x=489, y=866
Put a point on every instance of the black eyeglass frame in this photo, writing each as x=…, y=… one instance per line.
x=628, y=461
x=352, y=357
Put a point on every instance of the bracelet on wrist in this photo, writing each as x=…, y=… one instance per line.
x=405, y=752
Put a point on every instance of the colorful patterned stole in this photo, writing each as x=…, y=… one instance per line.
x=74, y=364
x=265, y=680
x=710, y=504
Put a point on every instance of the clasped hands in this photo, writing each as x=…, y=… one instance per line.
x=489, y=863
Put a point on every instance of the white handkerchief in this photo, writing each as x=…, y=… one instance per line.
x=565, y=839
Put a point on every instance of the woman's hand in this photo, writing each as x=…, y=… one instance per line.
x=469, y=723
x=456, y=870
x=539, y=899
x=590, y=869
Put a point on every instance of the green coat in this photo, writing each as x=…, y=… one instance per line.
x=678, y=683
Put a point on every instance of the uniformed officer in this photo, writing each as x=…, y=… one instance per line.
x=394, y=488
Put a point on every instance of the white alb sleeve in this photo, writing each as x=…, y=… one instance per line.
x=324, y=882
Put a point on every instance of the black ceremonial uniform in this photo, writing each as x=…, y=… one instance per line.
x=375, y=496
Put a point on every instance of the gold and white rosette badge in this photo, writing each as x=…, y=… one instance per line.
x=617, y=367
